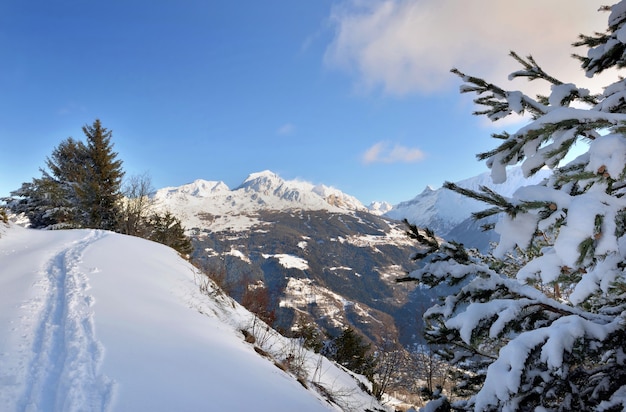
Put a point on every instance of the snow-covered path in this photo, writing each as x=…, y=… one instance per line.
x=66, y=354
x=60, y=369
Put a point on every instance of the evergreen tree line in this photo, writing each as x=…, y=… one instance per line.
x=82, y=186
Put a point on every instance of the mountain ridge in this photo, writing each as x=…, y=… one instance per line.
x=443, y=210
x=335, y=246
x=439, y=209
x=260, y=191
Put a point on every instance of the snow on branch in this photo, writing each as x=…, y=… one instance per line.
x=507, y=373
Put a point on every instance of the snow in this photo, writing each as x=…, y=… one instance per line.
x=396, y=234
x=238, y=254
x=289, y=261
x=503, y=376
x=300, y=293
x=514, y=232
x=212, y=205
x=92, y=320
x=448, y=208
x=608, y=153
x=560, y=92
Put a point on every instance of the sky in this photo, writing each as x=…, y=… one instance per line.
x=354, y=94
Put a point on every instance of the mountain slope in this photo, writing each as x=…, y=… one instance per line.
x=348, y=258
x=449, y=213
x=92, y=320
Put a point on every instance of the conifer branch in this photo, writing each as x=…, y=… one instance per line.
x=424, y=237
x=496, y=99
x=487, y=196
x=531, y=70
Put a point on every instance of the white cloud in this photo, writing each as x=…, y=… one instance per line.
x=286, y=129
x=383, y=152
x=408, y=46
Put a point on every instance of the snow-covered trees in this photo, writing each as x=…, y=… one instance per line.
x=550, y=335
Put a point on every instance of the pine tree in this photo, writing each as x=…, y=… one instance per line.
x=81, y=186
x=168, y=230
x=350, y=350
x=99, y=192
x=66, y=170
x=51, y=200
x=548, y=331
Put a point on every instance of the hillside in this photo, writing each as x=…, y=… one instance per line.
x=318, y=253
x=92, y=320
x=449, y=213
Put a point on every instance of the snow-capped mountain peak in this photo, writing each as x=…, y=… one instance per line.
x=442, y=210
x=302, y=194
x=209, y=201
x=336, y=197
x=380, y=208
x=199, y=188
x=264, y=181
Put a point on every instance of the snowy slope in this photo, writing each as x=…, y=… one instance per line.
x=225, y=209
x=442, y=209
x=92, y=320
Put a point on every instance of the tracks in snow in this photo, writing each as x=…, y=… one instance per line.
x=63, y=373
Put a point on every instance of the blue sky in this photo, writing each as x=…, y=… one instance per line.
x=354, y=94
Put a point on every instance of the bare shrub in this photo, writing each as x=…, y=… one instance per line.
x=294, y=356
x=262, y=332
x=248, y=337
x=256, y=298
x=339, y=397
x=136, y=204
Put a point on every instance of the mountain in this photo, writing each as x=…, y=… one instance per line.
x=449, y=213
x=93, y=320
x=380, y=208
x=318, y=253
x=202, y=201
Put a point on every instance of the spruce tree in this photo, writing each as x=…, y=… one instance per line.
x=81, y=186
x=51, y=200
x=541, y=324
x=350, y=351
x=66, y=169
x=99, y=192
